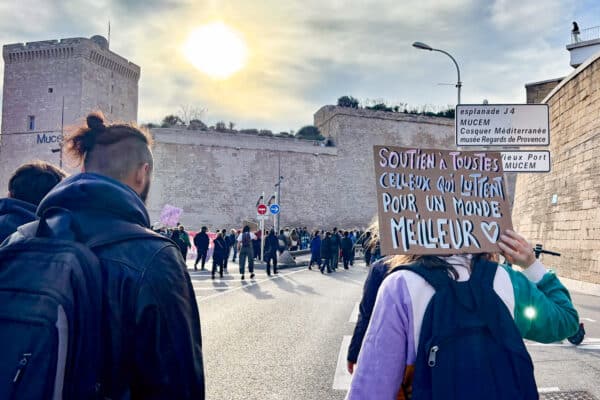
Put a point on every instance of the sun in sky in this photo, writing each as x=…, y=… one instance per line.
x=216, y=49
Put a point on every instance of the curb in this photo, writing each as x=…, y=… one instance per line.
x=592, y=289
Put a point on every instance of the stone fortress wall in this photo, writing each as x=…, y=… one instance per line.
x=37, y=75
x=217, y=177
x=571, y=224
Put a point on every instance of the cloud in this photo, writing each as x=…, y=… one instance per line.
x=516, y=16
x=304, y=53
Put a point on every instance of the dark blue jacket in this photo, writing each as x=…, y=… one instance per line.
x=271, y=245
x=315, y=247
x=374, y=280
x=151, y=326
x=14, y=213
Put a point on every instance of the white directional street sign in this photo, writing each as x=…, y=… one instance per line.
x=502, y=125
x=526, y=161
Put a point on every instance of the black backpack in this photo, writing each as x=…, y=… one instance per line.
x=50, y=313
x=246, y=239
x=470, y=347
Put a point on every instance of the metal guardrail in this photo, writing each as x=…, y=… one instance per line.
x=585, y=35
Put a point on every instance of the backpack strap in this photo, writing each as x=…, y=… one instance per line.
x=483, y=273
x=63, y=226
x=438, y=278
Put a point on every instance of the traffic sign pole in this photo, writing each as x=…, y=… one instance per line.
x=262, y=211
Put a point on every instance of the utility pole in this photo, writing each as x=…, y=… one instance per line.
x=279, y=178
x=62, y=133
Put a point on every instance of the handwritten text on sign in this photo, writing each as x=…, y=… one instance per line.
x=440, y=202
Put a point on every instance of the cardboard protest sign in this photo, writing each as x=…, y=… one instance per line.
x=440, y=202
x=169, y=215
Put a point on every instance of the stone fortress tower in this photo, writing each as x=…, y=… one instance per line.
x=50, y=85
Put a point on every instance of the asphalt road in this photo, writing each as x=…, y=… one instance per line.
x=278, y=337
x=285, y=337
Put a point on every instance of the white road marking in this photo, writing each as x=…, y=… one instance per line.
x=548, y=390
x=354, y=315
x=588, y=319
x=342, y=378
x=250, y=284
x=361, y=283
x=587, y=344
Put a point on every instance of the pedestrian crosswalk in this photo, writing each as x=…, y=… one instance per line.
x=354, y=316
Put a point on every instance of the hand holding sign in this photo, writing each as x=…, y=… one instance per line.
x=516, y=249
x=440, y=202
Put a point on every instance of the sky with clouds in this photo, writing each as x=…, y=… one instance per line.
x=306, y=53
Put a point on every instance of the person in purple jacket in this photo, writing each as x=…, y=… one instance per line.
x=389, y=349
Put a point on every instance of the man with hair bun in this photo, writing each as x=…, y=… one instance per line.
x=151, y=339
x=26, y=188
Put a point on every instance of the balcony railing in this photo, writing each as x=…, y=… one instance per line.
x=586, y=35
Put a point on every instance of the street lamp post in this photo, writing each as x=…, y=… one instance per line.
x=278, y=185
x=423, y=46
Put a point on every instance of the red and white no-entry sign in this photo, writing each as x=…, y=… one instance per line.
x=261, y=209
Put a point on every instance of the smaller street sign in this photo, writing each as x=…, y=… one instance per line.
x=274, y=209
x=526, y=161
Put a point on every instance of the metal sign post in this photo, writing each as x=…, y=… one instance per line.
x=262, y=211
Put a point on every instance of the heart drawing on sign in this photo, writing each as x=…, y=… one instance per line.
x=491, y=231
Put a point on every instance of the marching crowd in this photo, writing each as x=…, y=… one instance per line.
x=327, y=248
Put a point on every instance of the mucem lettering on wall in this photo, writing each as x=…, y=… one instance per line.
x=46, y=138
x=502, y=125
x=440, y=202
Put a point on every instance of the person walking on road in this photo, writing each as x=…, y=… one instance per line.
x=294, y=240
x=232, y=238
x=150, y=336
x=201, y=241
x=282, y=241
x=315, y=251
x=182, y=239
x=26, y=188
x=347, y=249
x=230, y=243
x=335, y=248
x=326, y=253
x=219, y=254
x=271, y=245
x=367, y=245
x=488, y=301
x=245, y=240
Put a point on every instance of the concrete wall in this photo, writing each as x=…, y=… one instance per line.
x=572, y=225
x=537, y=91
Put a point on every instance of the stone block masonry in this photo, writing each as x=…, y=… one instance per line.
x=38, y=75
x=217, y=177
x=571, y=225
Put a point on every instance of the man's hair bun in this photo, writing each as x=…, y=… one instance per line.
x=95, y=122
